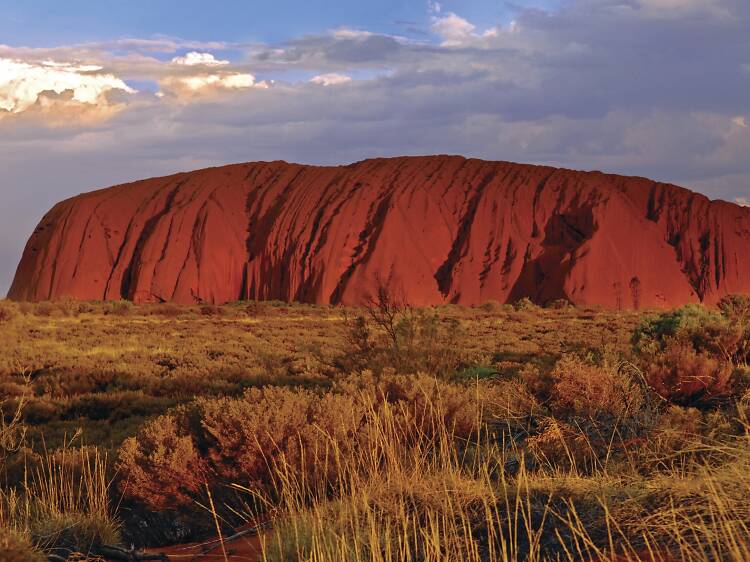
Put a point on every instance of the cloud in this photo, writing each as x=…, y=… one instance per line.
x=195, y=58
x=456, y=31
x=453, y=29
x=49, y=84
x=206, y=83
x=670, y=9
x=743, y=201
x=161, y=44
x=24, y=84
x=346, y=33
x=330, y=79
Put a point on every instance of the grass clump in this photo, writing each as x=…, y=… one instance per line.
x=15, y=547
x=60, y=506
x=8, y=311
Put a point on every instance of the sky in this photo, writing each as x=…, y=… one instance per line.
x=98, y=93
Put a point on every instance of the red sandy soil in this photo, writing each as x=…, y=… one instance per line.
x=435, y=230
x=640, y=557
x=243, y=549
x=249, y=549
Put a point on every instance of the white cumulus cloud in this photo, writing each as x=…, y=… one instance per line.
x=195, y=58
x=206, y=81
x=744, y=201
x=23, y=83
x=211, y=82
x=330, y=79
x=455, y=31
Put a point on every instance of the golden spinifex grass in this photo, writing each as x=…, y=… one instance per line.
x=490, y=433
x=63, y=504
x=425, y=500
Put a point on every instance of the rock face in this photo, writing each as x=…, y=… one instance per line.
x=432, y=229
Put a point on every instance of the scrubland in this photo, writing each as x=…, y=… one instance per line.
x=499, y=432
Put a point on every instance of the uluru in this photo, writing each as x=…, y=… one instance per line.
x=441, y=229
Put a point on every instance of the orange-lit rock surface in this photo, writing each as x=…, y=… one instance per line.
x=434, y=229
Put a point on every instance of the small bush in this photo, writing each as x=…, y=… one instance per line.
x=405, y=340
x=585, y=390
x=687, y=377
x=736, y=309
x=85, y=308
x=525, y=304
x=25, y=308
x=258, y=308
x=425, y=405
x=162, y=467
x=45, y=309
x=689, y=354
x=119, y=308
x=167, y=310
x=67, y=307
x=491, y=307
x=705, y=330
x=557, y=444
x=8, y=311
x=676, y=430
x=211, y=310
x=559, y=304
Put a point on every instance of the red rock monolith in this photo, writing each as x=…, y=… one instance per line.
x=434, y=230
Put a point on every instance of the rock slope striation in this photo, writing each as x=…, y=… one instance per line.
x=434, y=230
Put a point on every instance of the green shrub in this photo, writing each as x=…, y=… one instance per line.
x=689, y=355
x=525, y=303
x=119, y=308
x=410, y=341
x=706, y=330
